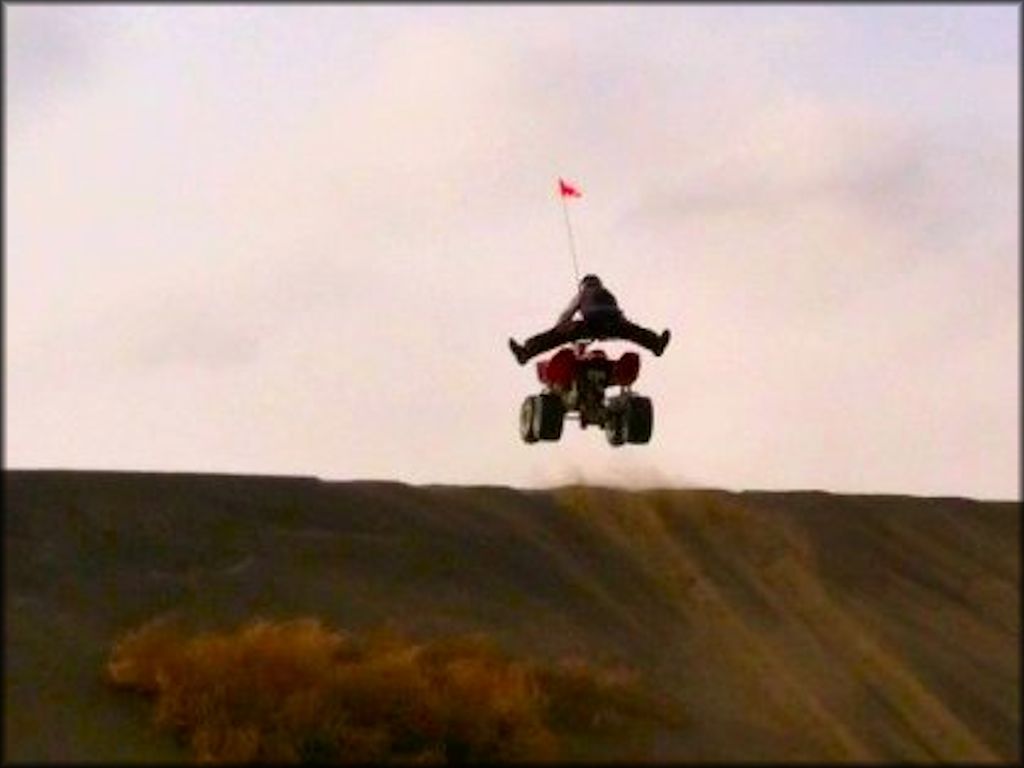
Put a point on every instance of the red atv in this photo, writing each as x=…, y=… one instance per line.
x=575, y=380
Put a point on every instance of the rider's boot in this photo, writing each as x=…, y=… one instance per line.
x=663, y=340
x=519, y=351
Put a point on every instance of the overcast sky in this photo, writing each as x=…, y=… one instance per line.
x=295, y=239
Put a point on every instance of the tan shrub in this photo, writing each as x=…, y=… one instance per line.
x=296, y=691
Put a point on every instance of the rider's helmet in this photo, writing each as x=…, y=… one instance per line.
x=590, y=280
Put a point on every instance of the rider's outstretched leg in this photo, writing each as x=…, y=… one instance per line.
x=549, y=339
x=645, y=337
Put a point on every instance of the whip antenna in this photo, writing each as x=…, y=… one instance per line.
x=566, y=190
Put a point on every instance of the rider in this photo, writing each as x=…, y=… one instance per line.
x=602, y=318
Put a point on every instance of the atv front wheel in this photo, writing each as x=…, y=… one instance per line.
x=527, y=419
x=615, y=428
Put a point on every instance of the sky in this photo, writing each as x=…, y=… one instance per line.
x=294, y=240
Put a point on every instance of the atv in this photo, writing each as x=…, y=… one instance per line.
x=575, y=380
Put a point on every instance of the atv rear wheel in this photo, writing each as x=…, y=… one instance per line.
x=541, y=417
x=549, y=416
x=638, y=419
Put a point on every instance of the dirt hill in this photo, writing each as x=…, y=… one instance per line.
x=797, y=626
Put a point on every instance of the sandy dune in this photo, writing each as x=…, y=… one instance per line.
x=787, y=626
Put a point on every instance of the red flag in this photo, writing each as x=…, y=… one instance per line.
x=568, y=190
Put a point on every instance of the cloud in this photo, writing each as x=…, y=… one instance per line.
x=47, y=51
x=300, y=217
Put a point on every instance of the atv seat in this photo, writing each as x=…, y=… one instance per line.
x=560, y=369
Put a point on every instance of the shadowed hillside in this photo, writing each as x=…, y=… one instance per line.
x=784, y=626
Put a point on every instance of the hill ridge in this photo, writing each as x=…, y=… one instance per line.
x=789, y=625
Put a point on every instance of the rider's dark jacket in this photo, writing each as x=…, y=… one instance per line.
x=594, y=302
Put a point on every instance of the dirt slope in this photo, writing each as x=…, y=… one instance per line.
x=788, y=626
